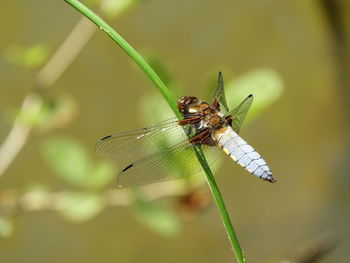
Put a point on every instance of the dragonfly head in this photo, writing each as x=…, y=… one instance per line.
x=190, y=105
x=187, y=104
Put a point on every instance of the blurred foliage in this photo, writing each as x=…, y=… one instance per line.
x=158, y=217
x=114, y=8
x=6, y=227
x=30, y=57
x=36, y=197
x=48, y=114
x=152, y=107
x=91, y=2
x=79, y=206
x=33, y=113
x=164, y=73
x=265, y=85
x=71, y=162
x=57, y=112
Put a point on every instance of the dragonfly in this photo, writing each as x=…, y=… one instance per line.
x=165, y=151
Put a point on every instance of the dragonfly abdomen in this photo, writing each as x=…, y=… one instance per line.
x=243, y=154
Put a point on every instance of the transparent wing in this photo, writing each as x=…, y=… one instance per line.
x=219, y=94
x=239, y=113
x=137, y=144
x=174, y=163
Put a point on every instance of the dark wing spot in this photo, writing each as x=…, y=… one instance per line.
x=126, y=168
x=106, y=137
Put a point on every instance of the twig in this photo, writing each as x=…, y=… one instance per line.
x=12, y=201
x=47, y=76
x=66, y=53
x=16, y=138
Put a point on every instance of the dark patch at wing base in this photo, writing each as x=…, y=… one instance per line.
x=219, y=94
x=238, y=114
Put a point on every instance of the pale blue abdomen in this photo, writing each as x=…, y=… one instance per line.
x=243, y=154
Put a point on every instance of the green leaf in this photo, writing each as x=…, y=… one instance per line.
x=30, y=57
x=102, y=174
x=265, y=84
x=159, y=218
x=79, y=206
x=68, y=159
x=6, y=227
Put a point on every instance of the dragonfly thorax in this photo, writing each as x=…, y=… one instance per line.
x=203, y=115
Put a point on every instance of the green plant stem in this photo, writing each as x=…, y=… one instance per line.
x=219, y=201
x=136, y=57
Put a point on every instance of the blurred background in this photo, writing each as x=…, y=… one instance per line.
x=65, y=84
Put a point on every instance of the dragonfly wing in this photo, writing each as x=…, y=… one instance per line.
x=239, y=113
x=138, y=144
x=173, y=163
x=219, y=94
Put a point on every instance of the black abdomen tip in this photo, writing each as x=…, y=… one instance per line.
x=271, y=179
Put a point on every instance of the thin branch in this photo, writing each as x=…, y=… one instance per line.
x=16, y=138
x=66, y=53
x=13, y=201
x=47, y=76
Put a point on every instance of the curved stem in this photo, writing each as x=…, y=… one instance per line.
x=152, y=75
x=219, y=201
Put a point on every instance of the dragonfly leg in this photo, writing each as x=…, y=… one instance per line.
x=203, y=138
x=190, y=120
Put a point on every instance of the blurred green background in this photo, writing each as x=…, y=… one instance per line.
x=58, y=199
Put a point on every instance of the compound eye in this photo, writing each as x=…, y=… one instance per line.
x=185, y=104
x=192, y=100
x=188, y=100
